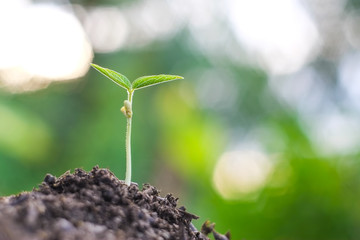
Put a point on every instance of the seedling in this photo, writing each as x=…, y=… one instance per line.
x=141, y=82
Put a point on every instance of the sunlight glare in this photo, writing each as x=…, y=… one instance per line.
x=41, y=43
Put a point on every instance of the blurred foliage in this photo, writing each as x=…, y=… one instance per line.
x=79, y=124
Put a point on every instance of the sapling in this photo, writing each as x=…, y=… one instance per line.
x=141, y=82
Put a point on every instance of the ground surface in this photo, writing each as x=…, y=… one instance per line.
x=96, y=205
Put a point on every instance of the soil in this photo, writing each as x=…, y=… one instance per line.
x=96, y=205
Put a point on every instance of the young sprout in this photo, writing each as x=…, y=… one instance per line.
x=141, y=82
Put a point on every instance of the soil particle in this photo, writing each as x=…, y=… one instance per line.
x=95, y=205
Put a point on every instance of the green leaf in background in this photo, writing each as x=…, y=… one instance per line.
x=147, y=81
x=116, y=77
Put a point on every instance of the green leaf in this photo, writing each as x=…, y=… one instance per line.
x=147, y=81
x=116, y=77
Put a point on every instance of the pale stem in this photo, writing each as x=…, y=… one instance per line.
x=128, y=144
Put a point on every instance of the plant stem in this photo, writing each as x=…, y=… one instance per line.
x=128, y=143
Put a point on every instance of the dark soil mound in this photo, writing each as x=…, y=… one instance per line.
x=95, y=205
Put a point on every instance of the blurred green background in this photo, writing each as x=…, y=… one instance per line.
x=262, y=137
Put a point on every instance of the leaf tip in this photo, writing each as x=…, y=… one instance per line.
x=97, y=67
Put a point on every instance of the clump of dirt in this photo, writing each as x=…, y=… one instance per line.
x=96, y=205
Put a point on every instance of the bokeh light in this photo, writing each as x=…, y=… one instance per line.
x=240, y=173
x=282, y=40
